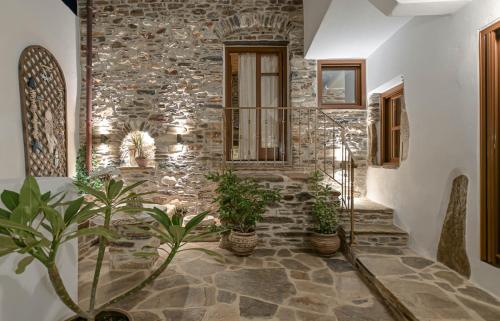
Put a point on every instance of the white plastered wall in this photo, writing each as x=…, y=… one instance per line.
x=51, y=24
x=438, y=57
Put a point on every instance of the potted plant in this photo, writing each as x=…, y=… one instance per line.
x=325, y=239
x=35, y=225
x=137, y=138
x=242, y=202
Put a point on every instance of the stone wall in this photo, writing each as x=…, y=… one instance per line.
x=158, y=67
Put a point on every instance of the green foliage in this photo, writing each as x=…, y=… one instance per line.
x=82, y=176
x=242, y=202
x=35, y=225
x=324, y=208
x=137, y=138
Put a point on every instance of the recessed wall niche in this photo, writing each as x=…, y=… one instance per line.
x=137, y=150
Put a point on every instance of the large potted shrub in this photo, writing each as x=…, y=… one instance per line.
x=242, y=202
x=325, y=239
x=35, y=225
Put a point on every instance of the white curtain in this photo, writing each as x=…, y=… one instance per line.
x=269, y=120
x=247, y=98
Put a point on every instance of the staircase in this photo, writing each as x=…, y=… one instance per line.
x=373, y=226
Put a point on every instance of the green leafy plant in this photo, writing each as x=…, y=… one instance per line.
x=137, y=138
x=324, y=209
x=36, y=225
x=242, y=202
x=82, y=176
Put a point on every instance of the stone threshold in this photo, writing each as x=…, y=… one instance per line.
x=415, y=288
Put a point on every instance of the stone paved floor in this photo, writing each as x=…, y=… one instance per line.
x=273, y=284
x=423, y=289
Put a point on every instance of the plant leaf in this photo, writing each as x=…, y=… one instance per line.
x=72, y=209
x=114, y=188
x=131, y=187
x=218, y=257
x=18, y=227
x=160, y=216
x=97, y=231
x=195, y=221
x=23, y=264
x=4, y=214
x=10, y=199
x=101, y=196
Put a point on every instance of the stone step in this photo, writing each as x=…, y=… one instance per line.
x=376, y=235
x=416, y=288
x=368, y=212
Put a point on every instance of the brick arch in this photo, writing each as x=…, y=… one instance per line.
x=277, y=25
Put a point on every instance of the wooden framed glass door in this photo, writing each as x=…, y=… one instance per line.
x=256, y=120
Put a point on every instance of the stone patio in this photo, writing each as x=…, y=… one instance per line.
x=273, y=284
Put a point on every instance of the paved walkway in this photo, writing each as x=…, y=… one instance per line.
x=273, y=284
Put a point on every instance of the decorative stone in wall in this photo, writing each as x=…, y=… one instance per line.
x=373, y=125
x=43, y=108
x=405, y=133
x=452, y=246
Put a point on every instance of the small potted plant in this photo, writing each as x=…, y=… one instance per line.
x=137, y=138
x=325, y=239
x=35, y=225
x=242, y=202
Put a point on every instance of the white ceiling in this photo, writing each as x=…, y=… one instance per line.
x=350, y=29
x=418, y=7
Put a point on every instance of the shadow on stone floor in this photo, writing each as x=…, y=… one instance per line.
x=273, y=284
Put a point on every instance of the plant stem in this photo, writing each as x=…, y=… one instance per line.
x=100, y=258
x=146, y=281
x=62, y=293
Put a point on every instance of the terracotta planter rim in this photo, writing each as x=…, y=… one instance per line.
x=125, y=313
x=325, y=235
x=243, y=233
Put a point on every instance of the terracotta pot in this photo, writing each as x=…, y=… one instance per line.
x=325, y=244
x=224, y=242
x=116, y=312
x=242, y=244
x=141, y=162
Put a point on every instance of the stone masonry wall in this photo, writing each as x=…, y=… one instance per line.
x=158, y=67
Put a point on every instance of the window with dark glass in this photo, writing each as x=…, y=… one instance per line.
x=341, y=84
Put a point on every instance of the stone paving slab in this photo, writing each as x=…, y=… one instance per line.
x=277, y=284
x=420, y=289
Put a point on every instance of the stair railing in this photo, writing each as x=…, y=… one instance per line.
x=290, y=137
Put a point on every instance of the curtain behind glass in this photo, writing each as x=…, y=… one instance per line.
x=247, y=98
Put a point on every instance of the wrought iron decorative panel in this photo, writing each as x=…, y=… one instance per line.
x=43, y=107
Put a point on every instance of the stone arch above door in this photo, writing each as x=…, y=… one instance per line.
x=247, y=25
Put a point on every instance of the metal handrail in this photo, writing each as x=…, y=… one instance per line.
x=298, y=129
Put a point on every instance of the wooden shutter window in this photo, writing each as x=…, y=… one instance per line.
x=391, y=103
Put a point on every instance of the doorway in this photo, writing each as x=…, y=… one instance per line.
x=256, y=114
x=490, y=133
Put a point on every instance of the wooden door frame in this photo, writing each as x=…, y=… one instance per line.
x=394, y=92
x=283, y=100
x=489, y=129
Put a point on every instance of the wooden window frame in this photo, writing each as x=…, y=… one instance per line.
x=282, y=50
x=490, y=130
x=360, y=66
x=386, y=98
